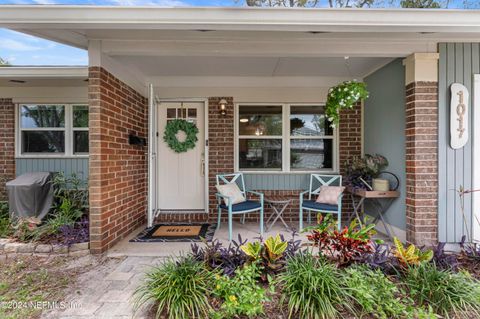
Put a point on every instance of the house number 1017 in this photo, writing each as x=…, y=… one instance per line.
x=458, y=116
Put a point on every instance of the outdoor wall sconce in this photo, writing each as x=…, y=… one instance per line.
x=223, y=107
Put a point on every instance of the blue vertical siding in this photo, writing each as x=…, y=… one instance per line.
x=458, y=63
x=66, y=165
x=277, y=181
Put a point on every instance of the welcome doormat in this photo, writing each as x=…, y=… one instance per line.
x=176, y=233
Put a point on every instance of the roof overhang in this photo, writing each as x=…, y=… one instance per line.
x=71, y=24
x=47, y=72
x=43, y=76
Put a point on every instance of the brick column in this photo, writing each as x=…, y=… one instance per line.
x=220, y=146
x=350, y=146
x=118, y=170
x=7, y=144
x=422, y=148
x=422, y=162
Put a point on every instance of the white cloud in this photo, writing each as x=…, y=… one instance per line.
x=14, y=45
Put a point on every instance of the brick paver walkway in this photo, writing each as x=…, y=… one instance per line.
x=106, y=291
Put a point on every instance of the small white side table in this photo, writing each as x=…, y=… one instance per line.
x=278, y=205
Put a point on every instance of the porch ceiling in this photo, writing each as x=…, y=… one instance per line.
x=152, y=66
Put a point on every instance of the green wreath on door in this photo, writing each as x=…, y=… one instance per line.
x=171, y=131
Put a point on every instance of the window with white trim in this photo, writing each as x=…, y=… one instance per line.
x=284, y=137
x=53, y=129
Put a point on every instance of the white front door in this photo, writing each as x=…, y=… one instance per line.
x=181, y=176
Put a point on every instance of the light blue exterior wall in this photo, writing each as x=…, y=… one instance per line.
x=384, y=129
x=66, y=165
x=277, y=181
x=458, y=63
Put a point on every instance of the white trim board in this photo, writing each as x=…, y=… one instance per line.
x=49, y=72
x=476, y=159
x=239, y=18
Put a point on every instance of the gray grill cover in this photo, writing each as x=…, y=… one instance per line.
x=30, y=195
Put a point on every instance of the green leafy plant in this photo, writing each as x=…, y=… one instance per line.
x=179, y=289
x=66, y=214
x=6, y=228
x=411, y=255
x=241, y=294
x=344, y=96
x=364, y=169
x=344, y=246
x=253, y=250
x=374, y=293
x=445, y=291
x=270, y=255
x=314, y=288
x=72, y=187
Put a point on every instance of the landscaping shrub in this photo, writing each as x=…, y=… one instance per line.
x=228, y=259
x=446, y=292
x=411, y=255
x=380, y=258
x=217, y=257
x=180, y=289
x=65, y=215
x=313, y=288
x=5, y=224
x=271, y=254
x=444, y=260
x=374, y=293
x=241, y=294
x=72, y=188
x=79, y=232
x=344, y=246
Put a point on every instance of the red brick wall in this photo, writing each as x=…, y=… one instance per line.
x=220, y=145
x=350, y=146
x=422, y=162
x=118, y=171
x=7, y=144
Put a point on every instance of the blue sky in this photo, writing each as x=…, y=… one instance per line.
x=21, y=49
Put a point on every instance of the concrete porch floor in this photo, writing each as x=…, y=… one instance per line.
x=248, y=231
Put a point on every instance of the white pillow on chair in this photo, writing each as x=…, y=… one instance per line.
x=233, y=191
x=329, y=194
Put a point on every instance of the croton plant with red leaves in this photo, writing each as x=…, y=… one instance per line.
x=343, y=246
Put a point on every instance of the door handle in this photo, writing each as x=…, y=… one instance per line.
x=202, y=167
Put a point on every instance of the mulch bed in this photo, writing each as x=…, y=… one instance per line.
x=471, y=265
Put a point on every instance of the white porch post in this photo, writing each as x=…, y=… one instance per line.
x=151, y=156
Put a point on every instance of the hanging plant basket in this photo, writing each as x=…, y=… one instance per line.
x=170, y=135
x=344, y=96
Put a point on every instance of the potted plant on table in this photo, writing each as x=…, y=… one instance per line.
x=361, y=171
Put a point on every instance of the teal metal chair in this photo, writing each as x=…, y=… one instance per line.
x=241, y=208
x=317, y=181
